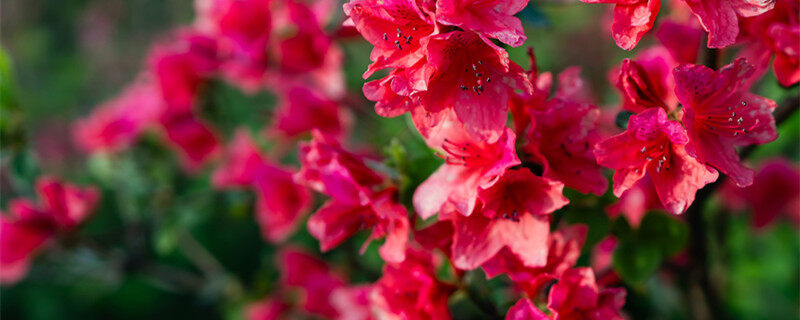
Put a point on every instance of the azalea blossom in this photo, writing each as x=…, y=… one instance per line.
x=721, y=17
x=719, y=114
x=28, y=226
x=655, y=146
x=632, y=19
x=524, y=309
x=410, y=290
x=280, y=202
x=562, y=136
x=773, y=34
x=564, y=249
x=356, y=203
x=470, y=165
x=775, y=191
x=494, y=19
x=577, y=296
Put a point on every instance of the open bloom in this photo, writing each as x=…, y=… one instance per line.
x=655, y=146
x=632, y=19
x=494, y=18
x=314, y=279
x=720, y=17
x=774, y=34
x=720, y=114
x=470, y=165
x=29, y=226
x=576, y=296
x=280, y=202
x=394, y=28
x=356, y=203
x=514, y=214
x=475, y=78
x=302, y=108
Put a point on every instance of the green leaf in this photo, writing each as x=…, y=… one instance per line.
x=666, y=232
x=635, y=261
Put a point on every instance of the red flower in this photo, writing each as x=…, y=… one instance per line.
x=117, y=123
x=774, y=33
x=267, y=309
x=354, y=203
x=647, y=81
x=720, y=115
x=469, y=166
x=475, y=78
x=302, y=108
x=632, y=19
x=720, y=17
x=313, y=278
x=394, y=28
x=524, y=309
x=514, y=215
x=655, y=146
x=281, y=203
x=562, y=136
x=775, y=191
x=494, y=18
x=576, y=296
x=182, y=66
x=28, y=226
x=410, y=290
x=191, y=136
x=564, y=250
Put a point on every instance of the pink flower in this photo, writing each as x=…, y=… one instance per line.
x=28, y=226
x=774, y=33
x=576, y=296
x=681, y=40
x=353, y=302
x=336, y=221
x=636, y=201
x=524, y=309
x=117, y=123
x=632, y=19
x=302, y=108
x=720, y=17
x=394, y=28
x=355, y=204
x=775, y=191
x=475, y=78
x=494, y=19
x=410, y=290
x=655, y=146
x=647, y=81
x=470, y=165
x=267, y=309
x=194, y=139
x=182, y=66
x=280, y=204
x=564, y=250
x=242, y=29
x=514, y=215
x=314, y=279
x=562, y=136
x=719, y=114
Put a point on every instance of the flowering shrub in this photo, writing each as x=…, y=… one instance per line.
x=260, y=164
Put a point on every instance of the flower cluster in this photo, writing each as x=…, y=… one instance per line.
x=493, y=203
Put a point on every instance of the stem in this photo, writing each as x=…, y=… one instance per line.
x=700, y=274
